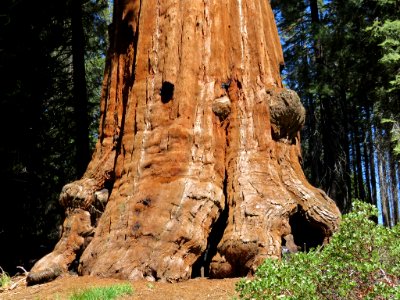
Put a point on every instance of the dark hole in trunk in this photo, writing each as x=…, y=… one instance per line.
x=167, y=92
x=306, y=234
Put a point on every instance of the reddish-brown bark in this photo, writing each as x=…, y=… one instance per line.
x=198, y=149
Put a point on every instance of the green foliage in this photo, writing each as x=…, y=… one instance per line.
x=97, y=17
x=362, y=261
x=5, y=279
x=104, y=293
x=387, y=33
x=394, y=134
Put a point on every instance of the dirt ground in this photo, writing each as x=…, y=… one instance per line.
x=61, y=288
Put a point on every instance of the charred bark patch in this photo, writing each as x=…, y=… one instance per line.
x=146, y=201
x=167, y=91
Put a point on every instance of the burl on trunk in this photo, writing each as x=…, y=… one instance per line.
x=196, y=169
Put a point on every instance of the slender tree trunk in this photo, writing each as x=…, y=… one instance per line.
x=347, y=194
x=79, y=88
x=360, y=179
x=367, y=167
x=371, y=148
x=314, y=149
x=394, y=187
x=315, y=28
x=354, y=164
x=398, y=178
x=383, y=186
x=198, y=150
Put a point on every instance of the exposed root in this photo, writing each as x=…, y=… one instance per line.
x=76, y=229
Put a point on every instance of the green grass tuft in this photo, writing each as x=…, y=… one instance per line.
x=5, y=279
x=103, y=293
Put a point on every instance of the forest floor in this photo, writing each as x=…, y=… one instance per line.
x=63, y=287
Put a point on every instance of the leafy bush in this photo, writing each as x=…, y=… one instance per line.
x=103, y=293
x=362, y=261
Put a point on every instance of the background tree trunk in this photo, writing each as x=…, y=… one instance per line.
x=394, y=183
x=79, y=88
x=198, y=149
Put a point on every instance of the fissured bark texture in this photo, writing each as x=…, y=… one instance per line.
x=197, y=165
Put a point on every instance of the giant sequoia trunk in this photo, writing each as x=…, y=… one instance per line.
x=197, y=163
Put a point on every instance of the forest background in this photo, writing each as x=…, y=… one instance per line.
x=342, y=57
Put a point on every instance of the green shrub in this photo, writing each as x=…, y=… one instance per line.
x=103, y=293
x=362, y=261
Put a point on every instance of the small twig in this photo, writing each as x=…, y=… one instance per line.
x=23, y=269
x=15, y=284
x=386, y=277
